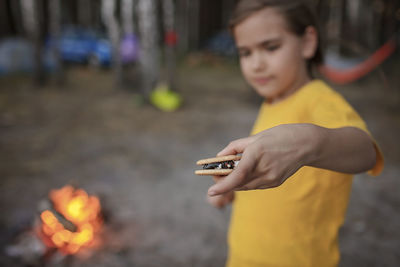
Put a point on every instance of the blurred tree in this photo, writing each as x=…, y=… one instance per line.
x=227, y=8
x=15, y=12
x=85, y=13
x=10, y=18
x=187, y=17
x=31, y=11
x=149, y=51
x=114, y=32
x=357, y=26
x=182, y=24
x=170, y=40
x=194, y=23
x=127, y=16
x=55, y=30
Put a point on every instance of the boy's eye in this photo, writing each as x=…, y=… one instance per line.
x=272, y=48
x=244, y=53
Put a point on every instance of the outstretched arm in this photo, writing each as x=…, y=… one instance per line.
x=272, y=156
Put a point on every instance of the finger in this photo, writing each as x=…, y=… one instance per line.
x=221, y=200
x=257, y=183
x=236, y=179
x=219, y=178
x=232, y=181
x=216, y=201
x=230, y=197
x=235, y=147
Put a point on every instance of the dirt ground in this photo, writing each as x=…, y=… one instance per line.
x=141, y=161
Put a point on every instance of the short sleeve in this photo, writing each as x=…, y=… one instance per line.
x=331, y=110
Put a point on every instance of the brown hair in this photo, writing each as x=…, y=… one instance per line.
x=298, y=13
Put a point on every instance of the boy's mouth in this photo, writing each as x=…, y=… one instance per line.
x=261, y=80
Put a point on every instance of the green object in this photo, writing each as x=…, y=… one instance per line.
x=165, y=99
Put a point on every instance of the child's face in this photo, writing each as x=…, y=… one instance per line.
x=272, y=59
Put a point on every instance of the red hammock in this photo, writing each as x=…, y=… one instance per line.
x=349, y=75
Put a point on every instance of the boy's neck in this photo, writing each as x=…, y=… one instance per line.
x=295, y=87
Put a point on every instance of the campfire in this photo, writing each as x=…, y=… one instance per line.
x=70, y=227
x=73, y=221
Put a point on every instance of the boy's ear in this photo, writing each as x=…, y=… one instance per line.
x=310, y=42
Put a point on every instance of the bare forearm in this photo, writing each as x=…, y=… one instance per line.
x=347, y=149
x=272, y=156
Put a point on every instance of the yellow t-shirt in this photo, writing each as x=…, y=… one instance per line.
x=297, y=223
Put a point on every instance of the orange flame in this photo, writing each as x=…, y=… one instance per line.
x=80, y=209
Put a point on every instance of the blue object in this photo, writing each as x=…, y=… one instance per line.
x=222, y=44
x=16, y=56
x=77, y=45
x=83, y=46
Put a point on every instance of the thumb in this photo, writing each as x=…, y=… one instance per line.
x=237, y=178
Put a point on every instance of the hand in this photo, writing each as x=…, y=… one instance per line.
x=220, y=201
x=273, y=155
x=268, y=158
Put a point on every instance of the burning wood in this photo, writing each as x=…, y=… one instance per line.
x=73, y=221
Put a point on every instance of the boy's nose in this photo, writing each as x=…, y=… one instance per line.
x=257, y=62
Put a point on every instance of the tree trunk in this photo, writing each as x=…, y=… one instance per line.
x=335, y=23
x=182, y=25
x=227, y=7
x=127, y=16
x=16, y=13
x=84, y=11
x=113, y=29
x=4, y=19
x=55, y=28
x=30, y=14
x=149, y=52
x=193, y=11
x=170, y=41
